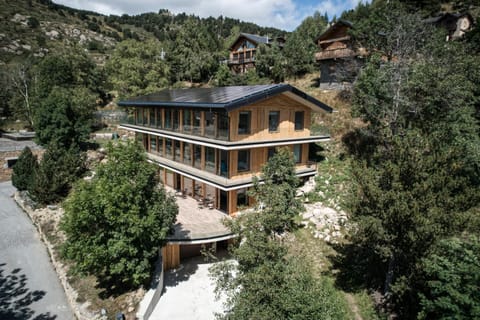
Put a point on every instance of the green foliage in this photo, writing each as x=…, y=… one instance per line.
x=65, y=117
x=56, y=173
x=24, y=170
x=65, y=91
x=192, y=53
x=277, y=193
x=265, y=282
x=116, y=223
x=300, y=46
x=33, y=23
x=416, y=165
x=270, y=63
x=452, y=280
x=137, y=68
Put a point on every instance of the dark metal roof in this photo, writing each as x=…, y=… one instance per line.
x=227, y=98
x=256, y=38
x=333, y=28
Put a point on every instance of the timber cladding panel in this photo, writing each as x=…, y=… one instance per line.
x=171, y=256
x=258, y=158
x=259, y=120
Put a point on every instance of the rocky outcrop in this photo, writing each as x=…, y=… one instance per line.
x=326, y=223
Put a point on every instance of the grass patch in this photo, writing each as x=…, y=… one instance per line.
x=366, y=306
x=332, y=181
x=88, y=290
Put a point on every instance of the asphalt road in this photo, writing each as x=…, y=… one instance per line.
x=29, y=287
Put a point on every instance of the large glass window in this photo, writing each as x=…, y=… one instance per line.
x=197, y=156
x=273, y=121
x=176, y=148
x=168, y=148
x=159, y=118
x=153, y=144
x=187, y=153
x=140, y=116
x=223, y=167
x=297, y=153
x=243, y=160
x=210, y=159
x=299, y=120
x=160, y=145
x=223, y=122
x=244, y=122
x=187, y=121
x=197, y=117
x=242, y=197
x=176, y=119
x=209, y=124
x=152, y=117
x=145, y=116
x=271, y=152
x=168, y=119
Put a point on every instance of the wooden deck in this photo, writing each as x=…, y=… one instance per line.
x=195, y=225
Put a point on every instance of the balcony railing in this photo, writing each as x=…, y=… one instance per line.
x=241, y=61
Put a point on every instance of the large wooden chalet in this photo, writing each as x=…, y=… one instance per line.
x=338, y=56
x=209, y=143
x=243, y=51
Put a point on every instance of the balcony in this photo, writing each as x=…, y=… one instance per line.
x=241, y=61
x=339, y=53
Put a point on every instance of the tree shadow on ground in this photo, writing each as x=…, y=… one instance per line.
x=16, y=298
x=357, y=268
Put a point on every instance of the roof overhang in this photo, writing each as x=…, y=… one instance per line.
x=256, y=96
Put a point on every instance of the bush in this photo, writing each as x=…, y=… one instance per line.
x=452, y=274
x=33, y=23
x=56, y=173
x=24, y=170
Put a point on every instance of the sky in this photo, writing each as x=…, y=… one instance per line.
x=282, y=14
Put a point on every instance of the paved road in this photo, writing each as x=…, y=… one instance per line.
x=29, y=287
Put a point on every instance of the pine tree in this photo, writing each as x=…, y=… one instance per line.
x=24, y=170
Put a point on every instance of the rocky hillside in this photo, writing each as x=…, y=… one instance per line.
x=35, y=28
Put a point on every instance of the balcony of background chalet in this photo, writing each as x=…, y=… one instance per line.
x=335, y=54
x=241, y=61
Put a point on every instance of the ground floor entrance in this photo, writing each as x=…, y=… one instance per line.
x=206, y=195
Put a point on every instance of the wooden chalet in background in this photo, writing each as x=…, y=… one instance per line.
x=243, y=51
x=338, y=56
x=456, y=24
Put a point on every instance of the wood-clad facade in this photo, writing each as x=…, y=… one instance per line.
x=244, y=49
x=338, y=56
x=213, y=153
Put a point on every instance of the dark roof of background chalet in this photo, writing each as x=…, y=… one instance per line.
x=333, y=28
x=445, y=16
x=256, y=38
x=228, y=98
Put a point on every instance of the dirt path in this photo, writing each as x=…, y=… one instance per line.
x=353, y=306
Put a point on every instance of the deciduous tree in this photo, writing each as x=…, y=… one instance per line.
x=116, y=223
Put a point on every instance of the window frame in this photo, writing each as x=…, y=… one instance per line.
x=249, y=123
x=302, y=122
x=270, y=113
x=300, y=151
x=248, y=158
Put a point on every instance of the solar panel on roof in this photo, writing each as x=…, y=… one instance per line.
x=220, y=97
